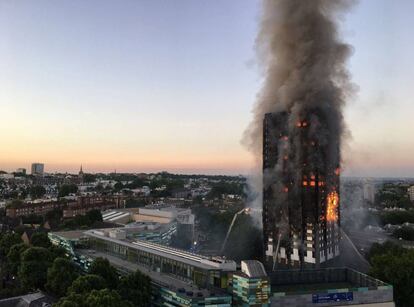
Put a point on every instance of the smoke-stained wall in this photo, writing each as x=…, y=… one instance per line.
x=306, y=85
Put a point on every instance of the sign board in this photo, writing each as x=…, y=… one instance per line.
x=332, y=297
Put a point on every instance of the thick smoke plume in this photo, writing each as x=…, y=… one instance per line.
x=303, y=61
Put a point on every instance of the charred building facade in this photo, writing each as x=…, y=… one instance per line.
x=300, y=190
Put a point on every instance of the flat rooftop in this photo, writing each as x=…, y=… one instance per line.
x=162, y=279
x=70, y=235
x=192, y=259
x=310, y=288
x=308, y=281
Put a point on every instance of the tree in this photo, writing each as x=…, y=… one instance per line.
x=118, y=186
x=398, y=270
x=67, y=189
x=37, y=191
x=40, y=239
x=60, y=276
x=223, y=187
x=33, y=268
x=136, y=288
x=105, y=297
x=136, y=183
x=87, y=283
x=54, y=217
x=89, y=178
x=103, y=268
x=405, y=232
x=57, y=252
x=96, y=298
x=72, y=300
x=14, y=257
x=7, y=240
x=378, y=249
x=397, y=217
x=94, y=216
x=394, y=264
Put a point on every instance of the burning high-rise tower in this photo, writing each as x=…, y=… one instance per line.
x=298, y=116
x=300, y=196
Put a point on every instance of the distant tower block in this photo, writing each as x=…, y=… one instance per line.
x=300, y=195
x=38, y=169
x=369, y=191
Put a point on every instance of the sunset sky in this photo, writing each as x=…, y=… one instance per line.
x=150, y=85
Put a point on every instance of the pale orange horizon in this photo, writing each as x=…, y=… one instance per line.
x=141, y=90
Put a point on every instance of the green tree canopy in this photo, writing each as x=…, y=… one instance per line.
x=7, y=240
x=72, y=300
x=135, y=288
x=103, y=268
x=397, y=217
x=405, y=232
x=136, y=183
x=87, y=283
x=94, y=216
x=60, y=276
x=104, y=297
x=89, y=177
x=33, y=268
x=378, y=249
x=40, y=239
x=118, y=186
x=57, y=252
x=223, y=188
x=54, y=217
x=95, y=298
x=14, y=257
x=398, y=270
x=67, y=189
x=37, y=191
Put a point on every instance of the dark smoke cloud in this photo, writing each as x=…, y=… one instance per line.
x=304, y=65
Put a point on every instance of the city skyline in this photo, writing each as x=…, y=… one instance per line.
x=119, y=88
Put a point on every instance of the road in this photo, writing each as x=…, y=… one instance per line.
x=364, y=239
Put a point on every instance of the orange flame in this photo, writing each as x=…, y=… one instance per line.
x=312, y=183
x=332, y=207
x=338, y=171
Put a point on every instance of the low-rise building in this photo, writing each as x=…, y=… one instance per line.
x=250, y=286
x=33, y=209
x=185, y=279
x=78, y=206
x=36, y=299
